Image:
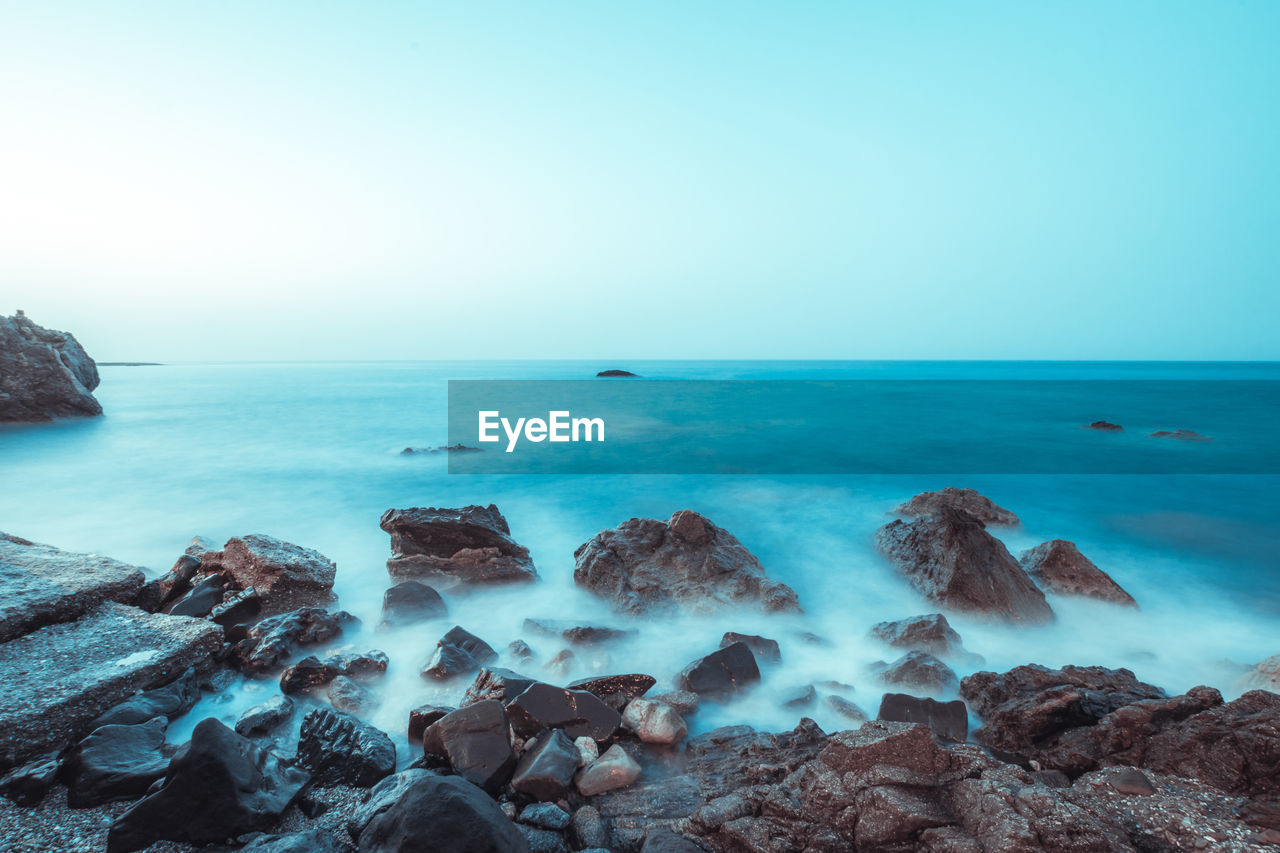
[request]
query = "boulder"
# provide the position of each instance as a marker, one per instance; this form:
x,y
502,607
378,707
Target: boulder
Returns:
x,y
614,373
614,769
615,690
474,741
1058,566
576,712
338,749
762,647
218,786
654,721
200,600
686,563
920,671
444,814
948,720
545,771
458,652
1264,675
930,633
409,602
265,716
285,576
966,500
722,673
44,374
306,841
1105,426
346,694
41,585
951,559
546,816
496,683
273,641
87,667
582,635
471,545
423,716
116,762
170,701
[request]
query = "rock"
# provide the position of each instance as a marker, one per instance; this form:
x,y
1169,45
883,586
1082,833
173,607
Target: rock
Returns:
x,y
1129,780
412,601
445,448
202,548
967,500
654,722
947,720
422,717
614,769
562,663
583,635
458,652
1180,435
763,648
238,608
722,673
307,841
273,640
951,559
920,671
496,683
577,712
471,545
41,585
44,374
170,701
588,750
265,716
218,786
546,816
475,742
346,694
1104,426
588,829
445,814
846,709
542,840
800,697
1265,675
87,667
546,769
27,785
285,575
1058,566
201,599
166,589
930,633
338,749
520,650
685,564
615,374
615,690
662,840
117,762
685,702
307,674
362,666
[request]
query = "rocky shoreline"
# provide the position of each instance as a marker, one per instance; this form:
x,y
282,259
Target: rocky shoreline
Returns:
x,y
98,662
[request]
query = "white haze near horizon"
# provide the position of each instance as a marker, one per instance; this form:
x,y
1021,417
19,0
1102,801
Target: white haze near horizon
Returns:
x,y
242,181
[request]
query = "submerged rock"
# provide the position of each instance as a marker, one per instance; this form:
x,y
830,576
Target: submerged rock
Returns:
x,y
1105,426
265,716
338,749
346,694
763,648
1180,435
412,601
930,633
614,373
686,563
1058,566
722,673
951,559
471,545
44,374
418,810
583,635
920,671
458,652
273,640
967,500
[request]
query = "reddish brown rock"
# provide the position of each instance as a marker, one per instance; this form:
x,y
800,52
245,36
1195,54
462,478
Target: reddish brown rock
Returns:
x,y
446,547
930,633
285,576
1058,566
980,507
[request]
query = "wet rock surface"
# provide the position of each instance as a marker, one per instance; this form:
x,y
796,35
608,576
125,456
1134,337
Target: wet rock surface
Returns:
x,y
448,813
686,563
722,673
948,720
1058,566
930,633
445,547
44,373
763,648
922,672
169,701
474,741
265,716
116,762
412,601
339,749
616,690
272,641
458,652
545,771
576,712
285,576
497,683
967,500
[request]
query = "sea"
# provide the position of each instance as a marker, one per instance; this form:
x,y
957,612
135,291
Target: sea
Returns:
x,y
311,453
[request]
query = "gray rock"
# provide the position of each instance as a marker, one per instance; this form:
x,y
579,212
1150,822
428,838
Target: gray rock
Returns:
x,y
614,769
338,749
307,841
542,840
663,840
117,762
170,701
546,816
545,771
346,694
44,374
846,709
445,814
471,545
589,829
654,721
27,785
920,671
264,717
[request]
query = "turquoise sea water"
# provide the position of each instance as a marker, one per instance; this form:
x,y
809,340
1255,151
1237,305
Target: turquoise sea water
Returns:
x,y
311,453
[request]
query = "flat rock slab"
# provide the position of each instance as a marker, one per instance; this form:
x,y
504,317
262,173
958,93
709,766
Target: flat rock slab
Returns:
x,y
41,585
59,679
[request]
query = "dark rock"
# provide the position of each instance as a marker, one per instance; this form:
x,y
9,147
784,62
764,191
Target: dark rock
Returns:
x,y
615,690
41,585
686,563
1058,566
545,771
422,717
238,608
577,712
546,816
475,742
762,647
585,635
116,762
947,720
846,709
930,633
542,840
273,640
44,374
444,814
177,580
588,829
471,545
218,786
338,749
170,701
967,500
920,671
444,448
346,694
202,598
307,674
722,673
801,697
264,717
285,575
363,666
662,840
27,785
496,683
458,652
951,559
520,650
1180,435
307,841
1104,426
412,601
613,373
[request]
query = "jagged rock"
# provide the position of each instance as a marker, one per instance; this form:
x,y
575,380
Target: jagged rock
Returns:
x,y
458,652
722,673
520,650
615,690
44,373
800,697
947,720
27,785
613,769
930,633
217,787
87,667
346,694
577,712
201,599
422,717
545,771
417,810
285,575
41,585
686,563
170,701
967,500
562,663
920,671
265,716
475,742
412,601
763,648
846,709
238,608
307,674
165,589
117,762
951,559
307,841
362,666
471,545
496,683
1058,566
338,749
1265,675
654,721
583,635
273,640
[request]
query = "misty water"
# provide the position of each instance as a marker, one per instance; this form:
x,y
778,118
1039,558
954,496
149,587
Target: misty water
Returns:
x,y
310,453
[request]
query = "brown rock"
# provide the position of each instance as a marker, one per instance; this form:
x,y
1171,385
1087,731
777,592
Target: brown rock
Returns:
x,y
1058,566
445,547
980,507
920,671
286,576
44,374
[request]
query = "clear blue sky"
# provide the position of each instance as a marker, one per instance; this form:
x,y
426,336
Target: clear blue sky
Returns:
x,y
245,180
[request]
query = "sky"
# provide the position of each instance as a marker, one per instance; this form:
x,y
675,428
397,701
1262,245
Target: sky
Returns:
x,y
845,180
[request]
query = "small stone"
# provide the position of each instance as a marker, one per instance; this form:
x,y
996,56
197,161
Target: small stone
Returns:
x,y
800,697
763,648
846,709
546,816
654,721
264,717
1131,780
588,750
346,694
615,769
562,664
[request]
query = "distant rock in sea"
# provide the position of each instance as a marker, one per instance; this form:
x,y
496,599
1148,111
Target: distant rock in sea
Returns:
x,y
613,374
1105,426
44,374
1180,435
447,448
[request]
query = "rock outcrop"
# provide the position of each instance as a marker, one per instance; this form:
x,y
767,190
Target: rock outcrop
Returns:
x,y
686,563
979,506
1058,566
951,559
285,576
44,374
447,547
